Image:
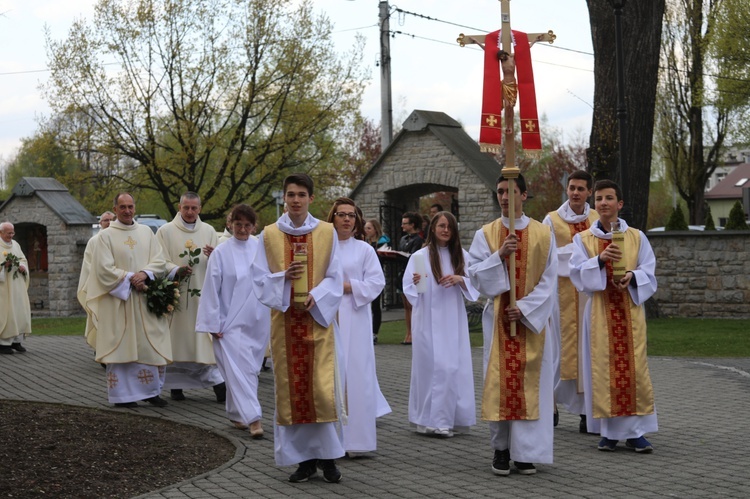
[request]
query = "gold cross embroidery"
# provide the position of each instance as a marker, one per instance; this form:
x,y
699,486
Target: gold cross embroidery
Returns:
x,y
130,242
530,126
491,120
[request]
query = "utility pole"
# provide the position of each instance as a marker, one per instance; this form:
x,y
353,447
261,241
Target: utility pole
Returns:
x,y
386,100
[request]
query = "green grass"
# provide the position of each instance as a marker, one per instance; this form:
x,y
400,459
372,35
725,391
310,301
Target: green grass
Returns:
x,y
666,337
63,326
699,337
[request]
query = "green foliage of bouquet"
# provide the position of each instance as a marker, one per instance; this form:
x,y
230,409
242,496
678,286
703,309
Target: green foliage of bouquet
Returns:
x,y
163,296
12,262
192,253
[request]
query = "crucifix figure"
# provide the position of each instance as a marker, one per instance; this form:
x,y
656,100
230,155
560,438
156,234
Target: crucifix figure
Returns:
x,y
501,90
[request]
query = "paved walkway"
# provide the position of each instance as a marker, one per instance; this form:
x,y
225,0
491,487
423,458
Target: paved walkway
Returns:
x,y
703,405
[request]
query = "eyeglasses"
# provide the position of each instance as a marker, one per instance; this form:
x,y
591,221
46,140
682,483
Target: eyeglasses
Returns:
x,y
342,214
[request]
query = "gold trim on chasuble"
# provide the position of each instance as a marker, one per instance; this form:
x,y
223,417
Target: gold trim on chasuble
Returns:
x,y
619,368
305,388
569,300
511,387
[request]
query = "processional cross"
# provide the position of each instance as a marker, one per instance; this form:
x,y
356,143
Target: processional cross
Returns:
x,y
501,90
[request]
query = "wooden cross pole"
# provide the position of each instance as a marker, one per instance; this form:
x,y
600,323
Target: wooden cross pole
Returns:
x,y
510,171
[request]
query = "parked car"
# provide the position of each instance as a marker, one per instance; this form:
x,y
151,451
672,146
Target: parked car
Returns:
x,y
153,221
690,227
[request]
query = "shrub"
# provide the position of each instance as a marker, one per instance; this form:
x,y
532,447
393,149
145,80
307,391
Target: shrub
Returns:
x,y
709,222
676,220
736,219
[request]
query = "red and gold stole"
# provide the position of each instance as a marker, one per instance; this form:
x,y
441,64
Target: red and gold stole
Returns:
x,y
491,126
511,386
303,350
568,298
619,368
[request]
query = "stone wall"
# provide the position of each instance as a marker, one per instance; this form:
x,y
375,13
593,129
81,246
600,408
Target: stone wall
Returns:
x,y
64,256
425,165
702,274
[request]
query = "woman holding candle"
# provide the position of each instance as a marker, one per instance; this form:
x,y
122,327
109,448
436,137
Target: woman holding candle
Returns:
x,y
441,396
363,282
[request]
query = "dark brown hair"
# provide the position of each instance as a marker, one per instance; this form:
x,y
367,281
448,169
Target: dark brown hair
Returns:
x,y
454,246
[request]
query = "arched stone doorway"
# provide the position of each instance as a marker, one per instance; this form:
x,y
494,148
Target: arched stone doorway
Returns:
x,y
32,237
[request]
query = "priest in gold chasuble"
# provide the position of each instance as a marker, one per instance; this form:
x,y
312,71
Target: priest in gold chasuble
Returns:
x,y
518,388
617,384
303,336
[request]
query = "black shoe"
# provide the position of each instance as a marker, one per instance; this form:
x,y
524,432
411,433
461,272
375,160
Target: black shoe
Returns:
x,y
501,462
582,427
525,468
221,392
555,418
176,394
6,349
126,405
305,470
157,401
331,473
375,339
18,347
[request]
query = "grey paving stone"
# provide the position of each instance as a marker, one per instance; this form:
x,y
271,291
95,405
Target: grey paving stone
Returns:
x,y
703,407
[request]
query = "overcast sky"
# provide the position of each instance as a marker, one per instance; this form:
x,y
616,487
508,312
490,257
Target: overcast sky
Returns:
x,y
430,70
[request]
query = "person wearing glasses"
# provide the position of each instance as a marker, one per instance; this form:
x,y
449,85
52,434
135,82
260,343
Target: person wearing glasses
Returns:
x,y
411,224
239,323
363,282
303,332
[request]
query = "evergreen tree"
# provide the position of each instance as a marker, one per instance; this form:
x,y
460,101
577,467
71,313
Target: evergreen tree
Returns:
x,y
677,220
736,219
709,222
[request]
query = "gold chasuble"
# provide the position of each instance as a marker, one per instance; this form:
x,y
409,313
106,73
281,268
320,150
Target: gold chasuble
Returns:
x,y
569,299
303,350
619,369
511,385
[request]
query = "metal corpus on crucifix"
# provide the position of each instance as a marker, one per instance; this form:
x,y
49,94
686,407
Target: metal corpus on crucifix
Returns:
x,y
500,92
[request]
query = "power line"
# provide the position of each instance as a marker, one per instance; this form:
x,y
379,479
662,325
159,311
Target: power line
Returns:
x,y
477,48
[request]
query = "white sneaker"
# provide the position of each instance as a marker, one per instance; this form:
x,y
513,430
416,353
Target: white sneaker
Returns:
x,y
444,432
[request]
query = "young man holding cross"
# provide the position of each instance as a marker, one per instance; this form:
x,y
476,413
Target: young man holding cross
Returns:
x,y
617,384
308,397
518,383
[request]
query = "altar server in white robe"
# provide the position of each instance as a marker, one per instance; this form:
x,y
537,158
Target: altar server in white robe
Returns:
x,y
304,334
441,392
518,399
363,282
238,322
133,342
615,349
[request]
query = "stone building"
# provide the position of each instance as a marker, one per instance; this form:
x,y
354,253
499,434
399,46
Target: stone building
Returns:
x,y
432,153
52,229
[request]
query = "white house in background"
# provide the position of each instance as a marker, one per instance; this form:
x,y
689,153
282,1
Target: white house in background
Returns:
x,y
735,186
